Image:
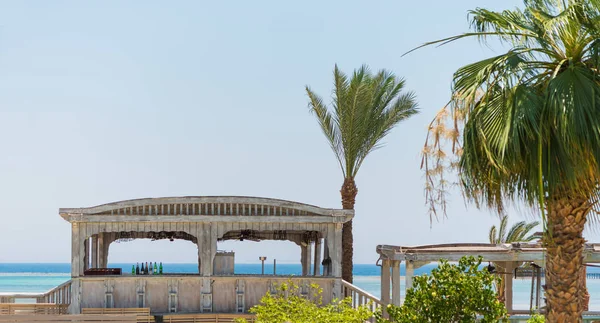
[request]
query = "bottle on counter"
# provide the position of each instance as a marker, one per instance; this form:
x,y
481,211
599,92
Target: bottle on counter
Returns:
x,y
137,268
147,269
160,269
151,269
155,269
132,269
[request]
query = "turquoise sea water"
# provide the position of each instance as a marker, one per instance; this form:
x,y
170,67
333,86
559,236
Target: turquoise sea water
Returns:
x,y
33,278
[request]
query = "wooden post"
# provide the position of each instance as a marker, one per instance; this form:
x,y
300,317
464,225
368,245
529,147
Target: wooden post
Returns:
x,y
208,246
100,239
108,239
327,266
317,265
508,286
538,287
334,243
86,253
303,253
94,251
75,249
410,272
308,261
385,282
396,282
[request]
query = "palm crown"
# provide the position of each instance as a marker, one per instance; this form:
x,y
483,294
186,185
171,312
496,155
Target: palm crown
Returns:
x,y
530,116
364,110
519,232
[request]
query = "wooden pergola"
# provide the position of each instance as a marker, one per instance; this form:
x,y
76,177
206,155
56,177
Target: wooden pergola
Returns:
x,y
203,220
508,256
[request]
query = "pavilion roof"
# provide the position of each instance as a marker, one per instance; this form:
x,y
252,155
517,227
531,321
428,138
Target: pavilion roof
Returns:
x,y
490,252
199,208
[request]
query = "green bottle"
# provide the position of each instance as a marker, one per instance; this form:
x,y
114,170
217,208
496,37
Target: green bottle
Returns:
x,y
160,268
155,269
133,269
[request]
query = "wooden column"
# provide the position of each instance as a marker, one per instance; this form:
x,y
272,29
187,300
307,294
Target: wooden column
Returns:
x,y
508,285
303,252
86,253
410,272
326,267
396,282
108,239
308,260
100,239
94,251
385,282
75,249
538,288
317,265
207,241
334,243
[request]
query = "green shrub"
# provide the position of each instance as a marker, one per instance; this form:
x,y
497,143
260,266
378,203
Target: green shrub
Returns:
x,y
288,305
536,318
452,293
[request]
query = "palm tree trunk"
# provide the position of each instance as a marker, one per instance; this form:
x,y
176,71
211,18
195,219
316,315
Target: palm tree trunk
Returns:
x,y
348,191
564,248
583,292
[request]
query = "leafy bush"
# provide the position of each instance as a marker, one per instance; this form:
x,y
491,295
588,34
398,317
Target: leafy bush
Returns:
x,y
452,293
288,305
536,318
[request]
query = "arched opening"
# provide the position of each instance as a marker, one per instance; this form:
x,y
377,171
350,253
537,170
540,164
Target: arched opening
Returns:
x,y
176,251
282,252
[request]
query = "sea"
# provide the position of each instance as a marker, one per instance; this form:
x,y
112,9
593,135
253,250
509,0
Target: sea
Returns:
x,y
38,277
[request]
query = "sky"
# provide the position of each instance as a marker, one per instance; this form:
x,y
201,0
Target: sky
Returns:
x,y
103,101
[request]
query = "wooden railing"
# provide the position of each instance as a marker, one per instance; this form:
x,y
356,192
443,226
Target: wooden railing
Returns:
x,y
58,295
37,308
360,297
67,318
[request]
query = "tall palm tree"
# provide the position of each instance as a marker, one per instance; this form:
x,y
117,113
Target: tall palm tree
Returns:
x,y
529,124
364,110
519,232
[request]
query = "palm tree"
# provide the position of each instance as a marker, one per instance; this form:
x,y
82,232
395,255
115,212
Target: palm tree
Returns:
x,y
519,232
364,110
526,127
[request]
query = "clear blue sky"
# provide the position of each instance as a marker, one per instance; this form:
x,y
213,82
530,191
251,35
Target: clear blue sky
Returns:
x,y
103,101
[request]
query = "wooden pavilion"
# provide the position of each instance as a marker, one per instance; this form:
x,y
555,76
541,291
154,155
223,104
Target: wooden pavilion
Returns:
x,y
203,221
508,256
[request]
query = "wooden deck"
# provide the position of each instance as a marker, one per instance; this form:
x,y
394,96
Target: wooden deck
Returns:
x,y
67,318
